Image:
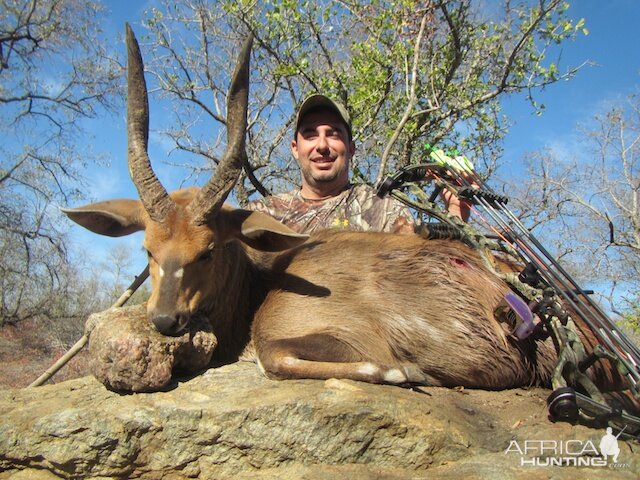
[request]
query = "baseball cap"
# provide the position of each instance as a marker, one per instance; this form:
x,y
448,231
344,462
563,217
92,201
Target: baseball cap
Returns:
x,y
322,101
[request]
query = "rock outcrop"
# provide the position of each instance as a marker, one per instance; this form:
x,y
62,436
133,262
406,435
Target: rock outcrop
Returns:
x,y
129,355
231,422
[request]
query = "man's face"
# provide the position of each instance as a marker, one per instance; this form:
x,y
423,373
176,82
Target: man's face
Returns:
x,y
323,149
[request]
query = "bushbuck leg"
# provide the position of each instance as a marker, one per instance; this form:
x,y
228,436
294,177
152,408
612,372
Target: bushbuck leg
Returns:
x,y
322,356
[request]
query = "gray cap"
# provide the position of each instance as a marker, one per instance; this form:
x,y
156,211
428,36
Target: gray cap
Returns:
x,y
322,101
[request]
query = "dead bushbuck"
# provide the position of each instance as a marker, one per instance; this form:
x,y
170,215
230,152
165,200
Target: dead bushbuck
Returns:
x,y
375,307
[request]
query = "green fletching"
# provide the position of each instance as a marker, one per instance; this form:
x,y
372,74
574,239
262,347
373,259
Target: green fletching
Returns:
x,y
463,163
440,158
460,163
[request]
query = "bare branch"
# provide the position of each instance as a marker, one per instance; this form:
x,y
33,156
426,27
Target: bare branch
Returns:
x,y
410,102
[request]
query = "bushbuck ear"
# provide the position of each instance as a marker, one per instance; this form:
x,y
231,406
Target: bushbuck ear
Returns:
x,y
113,218
260,231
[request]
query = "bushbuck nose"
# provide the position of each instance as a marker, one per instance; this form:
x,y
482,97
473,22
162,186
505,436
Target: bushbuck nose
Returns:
x,y
165,324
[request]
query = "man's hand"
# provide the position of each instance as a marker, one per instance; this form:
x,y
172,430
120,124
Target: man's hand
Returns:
x,y
455,205
464,168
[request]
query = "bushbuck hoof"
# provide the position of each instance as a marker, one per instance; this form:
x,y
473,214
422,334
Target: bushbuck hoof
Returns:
x,y
415,376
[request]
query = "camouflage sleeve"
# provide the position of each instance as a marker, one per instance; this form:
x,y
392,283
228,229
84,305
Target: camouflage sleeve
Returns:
x,y
292,212
398,218
258,205
381,214
266,205
401,220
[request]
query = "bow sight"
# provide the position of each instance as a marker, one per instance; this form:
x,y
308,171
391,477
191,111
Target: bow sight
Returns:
x,y
546,296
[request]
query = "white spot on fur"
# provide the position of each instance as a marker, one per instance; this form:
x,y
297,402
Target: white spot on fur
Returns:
x,y
394,375
416,325
161,272
433,333
179,273
368,369
290,361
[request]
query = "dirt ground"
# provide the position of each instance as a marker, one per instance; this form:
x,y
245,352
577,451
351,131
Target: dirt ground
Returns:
x,y
27,351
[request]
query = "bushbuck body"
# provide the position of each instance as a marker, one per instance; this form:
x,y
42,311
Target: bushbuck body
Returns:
x,y
376,307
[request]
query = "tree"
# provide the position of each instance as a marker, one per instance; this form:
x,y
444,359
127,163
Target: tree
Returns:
x,y
588,205
409,71
54,72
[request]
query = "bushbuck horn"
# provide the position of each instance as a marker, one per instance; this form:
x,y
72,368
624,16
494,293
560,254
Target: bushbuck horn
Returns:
x,y
153,195
209,200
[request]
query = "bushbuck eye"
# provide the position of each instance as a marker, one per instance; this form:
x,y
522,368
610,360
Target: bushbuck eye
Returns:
x,y
205,256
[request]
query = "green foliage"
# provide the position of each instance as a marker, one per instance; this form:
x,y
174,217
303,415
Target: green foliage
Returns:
x,y
362,53
631,319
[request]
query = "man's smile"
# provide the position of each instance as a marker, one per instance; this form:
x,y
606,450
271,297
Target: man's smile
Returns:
x,y
323,161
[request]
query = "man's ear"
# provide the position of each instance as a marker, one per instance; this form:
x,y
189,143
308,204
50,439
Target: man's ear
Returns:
x,y
259,230
352,148
294,148
113,218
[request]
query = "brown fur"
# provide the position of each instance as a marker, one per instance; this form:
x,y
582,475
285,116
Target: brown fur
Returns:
x,y
397,301
371,306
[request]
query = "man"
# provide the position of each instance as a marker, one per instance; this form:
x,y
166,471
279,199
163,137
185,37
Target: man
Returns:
x,y
323,147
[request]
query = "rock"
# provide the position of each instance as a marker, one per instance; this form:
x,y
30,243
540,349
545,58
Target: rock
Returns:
x,y
129,355
231,422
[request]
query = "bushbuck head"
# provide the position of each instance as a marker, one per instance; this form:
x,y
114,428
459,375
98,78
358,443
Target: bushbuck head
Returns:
x,y
185,231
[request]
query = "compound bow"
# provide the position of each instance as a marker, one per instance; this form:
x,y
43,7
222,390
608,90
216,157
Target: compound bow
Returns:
x,y
546,292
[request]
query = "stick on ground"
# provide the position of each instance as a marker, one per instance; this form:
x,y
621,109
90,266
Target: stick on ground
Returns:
x,y
62,361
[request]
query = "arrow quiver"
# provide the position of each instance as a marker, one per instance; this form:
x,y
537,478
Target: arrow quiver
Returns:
x,y
546,299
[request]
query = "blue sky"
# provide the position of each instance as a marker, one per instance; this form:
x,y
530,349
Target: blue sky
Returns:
x,y
612,47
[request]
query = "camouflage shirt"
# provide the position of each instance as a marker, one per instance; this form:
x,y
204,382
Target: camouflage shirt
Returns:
x,y
356,208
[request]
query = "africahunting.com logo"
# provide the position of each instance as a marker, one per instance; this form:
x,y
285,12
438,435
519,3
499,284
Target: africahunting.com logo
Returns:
x,y
578,453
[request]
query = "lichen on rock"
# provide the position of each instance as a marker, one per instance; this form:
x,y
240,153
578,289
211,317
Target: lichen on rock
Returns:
x,y
128,355
232,422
